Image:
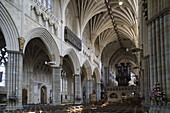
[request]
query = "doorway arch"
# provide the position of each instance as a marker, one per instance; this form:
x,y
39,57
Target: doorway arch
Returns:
x,y
24,96
43,94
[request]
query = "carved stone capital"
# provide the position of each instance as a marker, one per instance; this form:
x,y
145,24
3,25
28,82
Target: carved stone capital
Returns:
x,y
21,43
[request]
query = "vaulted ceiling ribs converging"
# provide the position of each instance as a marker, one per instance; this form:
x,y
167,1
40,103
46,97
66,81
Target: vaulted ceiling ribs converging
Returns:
x,y
124,22
113,21
105,26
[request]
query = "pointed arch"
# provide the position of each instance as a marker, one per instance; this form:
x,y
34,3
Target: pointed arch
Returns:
x,y
88,69
97,74
9,29
47,39
75,59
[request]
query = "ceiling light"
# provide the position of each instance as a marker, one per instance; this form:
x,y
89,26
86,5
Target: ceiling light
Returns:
x,y
120,2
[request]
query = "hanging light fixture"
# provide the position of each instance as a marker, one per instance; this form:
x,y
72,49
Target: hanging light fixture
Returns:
x,y
120,2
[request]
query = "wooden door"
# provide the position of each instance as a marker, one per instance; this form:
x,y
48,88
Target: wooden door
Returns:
x,y
24,96
43,94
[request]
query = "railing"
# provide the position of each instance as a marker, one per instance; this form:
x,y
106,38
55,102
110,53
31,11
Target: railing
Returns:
x,y
123,88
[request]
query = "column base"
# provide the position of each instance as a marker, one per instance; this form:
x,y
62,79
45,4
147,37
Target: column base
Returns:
x,y
146,107
159,109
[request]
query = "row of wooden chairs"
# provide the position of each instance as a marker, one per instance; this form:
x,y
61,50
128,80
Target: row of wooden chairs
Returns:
x,y
39,108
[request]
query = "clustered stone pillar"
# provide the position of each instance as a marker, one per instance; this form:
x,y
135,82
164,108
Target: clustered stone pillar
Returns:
x,y
106,70
77,88
167,52
146,80
88,91
14,79
35,93
151,54
98,92
91,86
159,56
56,85
142,85
31,87
162,41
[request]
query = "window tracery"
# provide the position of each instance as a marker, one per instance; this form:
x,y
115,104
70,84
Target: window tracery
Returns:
x,y
3,63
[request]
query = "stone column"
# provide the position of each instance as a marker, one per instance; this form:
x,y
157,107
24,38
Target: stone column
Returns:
x,y
31,91
77,88
167,52
106,74
154,51
14,79
158,51
88,91
142,84
91,86
145,79
162,42
151,54
36,93
98,92
148,77
56,85
150,31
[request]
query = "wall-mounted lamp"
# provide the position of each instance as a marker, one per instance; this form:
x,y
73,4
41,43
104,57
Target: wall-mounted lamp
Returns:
x,y
50,63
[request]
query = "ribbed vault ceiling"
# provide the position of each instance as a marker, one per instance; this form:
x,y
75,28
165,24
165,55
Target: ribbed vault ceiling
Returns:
x,y
111,27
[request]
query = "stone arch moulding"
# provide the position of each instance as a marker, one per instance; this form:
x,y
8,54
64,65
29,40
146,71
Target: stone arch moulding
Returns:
x,y
48,40
88,68
65,3
75,59
9,29
97,73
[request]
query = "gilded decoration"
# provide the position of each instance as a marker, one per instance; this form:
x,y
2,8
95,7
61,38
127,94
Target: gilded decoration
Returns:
x,y
21,43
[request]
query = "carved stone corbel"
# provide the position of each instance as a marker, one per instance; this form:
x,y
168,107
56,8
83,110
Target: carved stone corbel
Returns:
x,y
21,43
